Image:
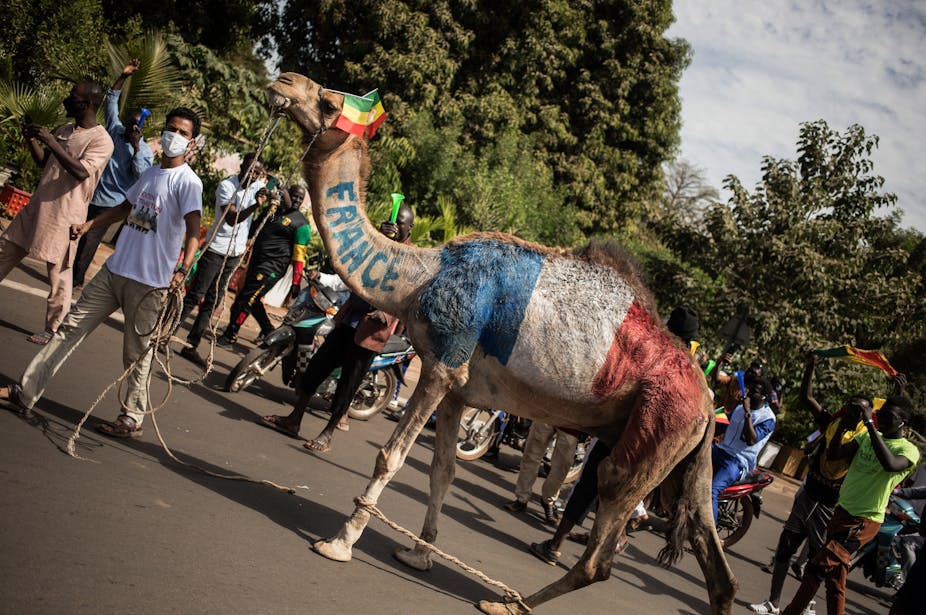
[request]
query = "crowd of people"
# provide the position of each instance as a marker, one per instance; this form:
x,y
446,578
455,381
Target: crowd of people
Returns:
x,y
95,176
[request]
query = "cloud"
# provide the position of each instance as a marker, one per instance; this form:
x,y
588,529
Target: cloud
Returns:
x,y
760,69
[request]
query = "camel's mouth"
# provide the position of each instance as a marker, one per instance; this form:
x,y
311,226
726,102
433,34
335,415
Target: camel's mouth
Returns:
x,y
277,100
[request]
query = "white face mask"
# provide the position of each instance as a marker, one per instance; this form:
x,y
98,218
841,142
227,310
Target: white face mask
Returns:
x,y
173,144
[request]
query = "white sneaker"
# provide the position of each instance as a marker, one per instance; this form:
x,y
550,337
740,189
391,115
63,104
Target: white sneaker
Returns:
x,y
764,608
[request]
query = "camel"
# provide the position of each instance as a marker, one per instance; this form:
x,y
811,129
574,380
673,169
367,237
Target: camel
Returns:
x,y
569,338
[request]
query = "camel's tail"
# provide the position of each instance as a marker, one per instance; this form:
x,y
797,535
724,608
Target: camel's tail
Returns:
x,y
681,489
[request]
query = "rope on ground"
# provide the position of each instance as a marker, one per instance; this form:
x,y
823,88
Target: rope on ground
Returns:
x,y
512,594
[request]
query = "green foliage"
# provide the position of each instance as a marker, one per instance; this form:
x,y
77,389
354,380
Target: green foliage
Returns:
x,y
41,38
225,26
231,101
42,105
586,91
807,256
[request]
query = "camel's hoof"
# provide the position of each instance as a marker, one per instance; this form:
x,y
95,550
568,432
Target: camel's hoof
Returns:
x,y
332,549
414,559
501,608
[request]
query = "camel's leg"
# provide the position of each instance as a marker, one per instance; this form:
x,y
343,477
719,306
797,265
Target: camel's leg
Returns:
x,y
636,465
443,466
433,385
708,549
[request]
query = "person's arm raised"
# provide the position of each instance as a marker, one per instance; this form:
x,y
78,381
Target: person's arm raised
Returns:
x,y
888,460
806,398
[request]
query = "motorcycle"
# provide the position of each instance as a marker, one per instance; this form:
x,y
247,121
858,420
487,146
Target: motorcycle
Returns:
x,y
880,558
480,430
738,504
292,344
381,382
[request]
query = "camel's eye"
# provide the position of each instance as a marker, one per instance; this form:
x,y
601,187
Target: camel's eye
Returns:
x,y
328,107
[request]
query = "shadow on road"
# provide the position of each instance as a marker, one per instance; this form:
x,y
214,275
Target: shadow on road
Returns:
x,y
643,561
289,511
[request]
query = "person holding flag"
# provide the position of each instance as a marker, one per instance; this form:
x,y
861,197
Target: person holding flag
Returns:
x,y
815,501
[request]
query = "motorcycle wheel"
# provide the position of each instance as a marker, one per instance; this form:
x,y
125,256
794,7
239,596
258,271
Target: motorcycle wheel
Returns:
x,y
374,394
733,519
252,367
471,442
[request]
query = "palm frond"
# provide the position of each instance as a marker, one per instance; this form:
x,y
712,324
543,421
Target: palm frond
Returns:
x,y
157,85
20,102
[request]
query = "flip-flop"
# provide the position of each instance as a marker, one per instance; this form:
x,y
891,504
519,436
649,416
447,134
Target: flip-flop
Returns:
x,y
41,338
11,403
343,426
317,447
270,422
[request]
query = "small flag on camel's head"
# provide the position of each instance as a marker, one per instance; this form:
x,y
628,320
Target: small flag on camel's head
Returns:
x,y
872,358
377,112
355,114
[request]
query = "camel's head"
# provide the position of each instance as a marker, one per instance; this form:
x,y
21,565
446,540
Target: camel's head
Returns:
x,y
307,103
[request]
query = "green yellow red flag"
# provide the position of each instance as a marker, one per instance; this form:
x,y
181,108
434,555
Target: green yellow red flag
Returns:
x,y
355,114
377,112
871,358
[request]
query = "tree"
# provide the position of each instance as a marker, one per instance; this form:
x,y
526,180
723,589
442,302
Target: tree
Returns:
x,y
815,266
591,85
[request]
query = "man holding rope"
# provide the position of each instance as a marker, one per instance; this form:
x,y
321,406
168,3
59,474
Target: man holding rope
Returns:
x,y
236,198
162,212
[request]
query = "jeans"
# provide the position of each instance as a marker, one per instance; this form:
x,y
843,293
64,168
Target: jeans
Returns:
x,y
205,293
727,470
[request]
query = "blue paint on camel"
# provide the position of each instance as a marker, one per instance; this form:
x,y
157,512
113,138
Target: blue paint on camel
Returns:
x,y
479,296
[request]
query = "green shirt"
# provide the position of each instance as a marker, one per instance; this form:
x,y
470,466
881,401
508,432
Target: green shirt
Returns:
x,y
868,485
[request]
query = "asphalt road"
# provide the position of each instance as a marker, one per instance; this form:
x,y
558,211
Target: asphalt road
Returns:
x,y
129,530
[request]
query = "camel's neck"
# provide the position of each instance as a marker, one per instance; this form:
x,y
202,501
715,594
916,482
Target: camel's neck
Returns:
x,y
381,271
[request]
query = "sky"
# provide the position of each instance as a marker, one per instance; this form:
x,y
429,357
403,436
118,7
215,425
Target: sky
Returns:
x,y
760,68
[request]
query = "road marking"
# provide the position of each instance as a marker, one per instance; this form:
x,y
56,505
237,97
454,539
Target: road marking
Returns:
x,y
38,292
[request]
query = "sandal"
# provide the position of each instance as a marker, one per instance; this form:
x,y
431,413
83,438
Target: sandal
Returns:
x,y
343,424
123,427
277,423
318,447
9,399
543,552
41,338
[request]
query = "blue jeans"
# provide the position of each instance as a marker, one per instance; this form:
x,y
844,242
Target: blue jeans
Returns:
x,y
727,470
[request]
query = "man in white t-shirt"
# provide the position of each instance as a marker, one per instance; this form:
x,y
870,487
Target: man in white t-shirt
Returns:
x,y
238,197
162,213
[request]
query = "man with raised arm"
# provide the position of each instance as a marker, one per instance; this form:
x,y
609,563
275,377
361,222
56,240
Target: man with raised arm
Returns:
x,y
879,461
162,212
131,157
815,500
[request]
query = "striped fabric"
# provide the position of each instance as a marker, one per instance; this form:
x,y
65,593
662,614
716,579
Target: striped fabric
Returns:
x,y
872,358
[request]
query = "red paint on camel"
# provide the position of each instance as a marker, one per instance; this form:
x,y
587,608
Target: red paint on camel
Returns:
x,y
642,352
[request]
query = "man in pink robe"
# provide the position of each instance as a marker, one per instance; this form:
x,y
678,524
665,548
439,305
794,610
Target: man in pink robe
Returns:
x,y
73,159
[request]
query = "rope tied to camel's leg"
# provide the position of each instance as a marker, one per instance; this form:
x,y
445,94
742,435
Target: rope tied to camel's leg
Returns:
x,y
511,594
